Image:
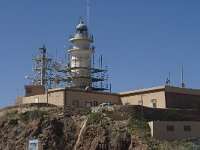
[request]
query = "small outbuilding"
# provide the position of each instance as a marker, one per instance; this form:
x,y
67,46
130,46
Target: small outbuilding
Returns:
x,y
174,130
163,97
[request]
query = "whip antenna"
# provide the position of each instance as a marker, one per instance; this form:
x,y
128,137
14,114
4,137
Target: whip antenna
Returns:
x,y
88,12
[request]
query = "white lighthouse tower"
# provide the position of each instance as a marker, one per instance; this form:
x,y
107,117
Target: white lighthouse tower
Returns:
x,y
80,71
81,53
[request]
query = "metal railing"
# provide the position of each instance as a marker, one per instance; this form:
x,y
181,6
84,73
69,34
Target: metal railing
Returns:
x,y
82,47
82,36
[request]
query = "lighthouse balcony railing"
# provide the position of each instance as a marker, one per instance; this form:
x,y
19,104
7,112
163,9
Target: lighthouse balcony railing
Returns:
x,y
81,36
82,47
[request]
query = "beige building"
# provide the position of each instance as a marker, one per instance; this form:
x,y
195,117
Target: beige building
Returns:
x,y
71,97
155,97
163,97
174,130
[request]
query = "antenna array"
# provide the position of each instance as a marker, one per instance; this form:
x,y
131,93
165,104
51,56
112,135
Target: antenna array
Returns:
x,y
42,69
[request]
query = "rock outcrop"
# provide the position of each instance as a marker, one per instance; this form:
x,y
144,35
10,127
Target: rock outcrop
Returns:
x,y
56,128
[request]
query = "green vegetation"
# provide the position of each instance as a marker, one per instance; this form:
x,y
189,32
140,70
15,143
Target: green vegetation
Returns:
x,y
11,114
103,110
32,115
26,116
94,118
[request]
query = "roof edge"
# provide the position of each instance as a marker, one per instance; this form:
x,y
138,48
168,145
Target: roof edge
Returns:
x,y
144,90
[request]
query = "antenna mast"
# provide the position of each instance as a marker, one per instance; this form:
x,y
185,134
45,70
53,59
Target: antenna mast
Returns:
x,y
182,82
42,68
88,12
168,79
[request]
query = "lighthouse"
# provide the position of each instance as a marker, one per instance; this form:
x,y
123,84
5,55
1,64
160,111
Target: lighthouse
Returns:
x,y
80,70
80,54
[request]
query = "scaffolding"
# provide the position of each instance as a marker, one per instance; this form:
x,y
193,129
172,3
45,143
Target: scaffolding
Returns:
x,y
43,70
99,76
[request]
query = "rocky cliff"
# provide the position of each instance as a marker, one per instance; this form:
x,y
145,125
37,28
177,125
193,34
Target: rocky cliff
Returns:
x,y
56,128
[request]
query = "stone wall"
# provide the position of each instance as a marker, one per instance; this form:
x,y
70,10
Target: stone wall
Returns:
x,y
53,109
149,114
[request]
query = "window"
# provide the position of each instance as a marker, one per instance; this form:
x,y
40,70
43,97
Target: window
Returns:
x,y
187,128
76,103
170,128
95,103
153,103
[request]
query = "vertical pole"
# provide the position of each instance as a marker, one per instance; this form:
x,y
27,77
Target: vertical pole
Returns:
x,y
43,64
142,115
93,60
182,77
168,79
101,61
88,13
101,71
93,68
68,60
17,93
50,75
182,82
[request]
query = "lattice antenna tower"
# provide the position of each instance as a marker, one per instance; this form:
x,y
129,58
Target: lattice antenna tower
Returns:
x,y
43,70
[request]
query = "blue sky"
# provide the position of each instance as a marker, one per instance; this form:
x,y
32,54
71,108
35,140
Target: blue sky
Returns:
x,y
141,40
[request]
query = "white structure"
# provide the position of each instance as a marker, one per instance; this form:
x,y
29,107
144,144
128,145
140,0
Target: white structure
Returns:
x,y
81,57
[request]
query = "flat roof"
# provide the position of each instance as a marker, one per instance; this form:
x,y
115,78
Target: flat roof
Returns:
x,y
145,90
80,90
164,88
55,89
182,90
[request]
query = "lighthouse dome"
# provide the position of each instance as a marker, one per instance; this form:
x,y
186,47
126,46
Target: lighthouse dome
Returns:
x,y
81,26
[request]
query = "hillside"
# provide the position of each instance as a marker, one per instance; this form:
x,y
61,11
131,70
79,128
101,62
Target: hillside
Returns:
x,y
113,128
